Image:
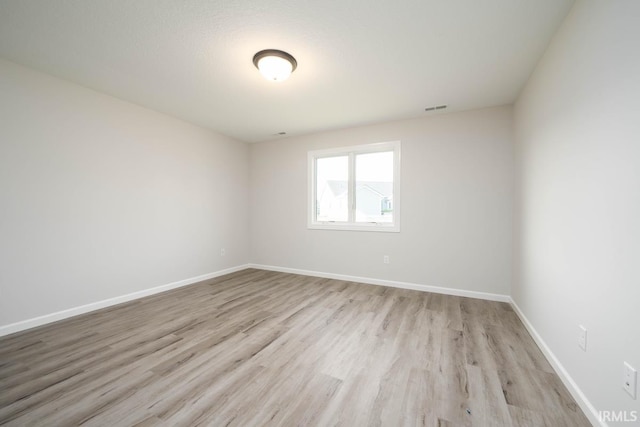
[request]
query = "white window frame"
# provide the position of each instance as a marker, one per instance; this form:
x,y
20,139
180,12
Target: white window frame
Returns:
x,y
351,224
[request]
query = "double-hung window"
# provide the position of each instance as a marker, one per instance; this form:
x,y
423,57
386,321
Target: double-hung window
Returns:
x,y
355,188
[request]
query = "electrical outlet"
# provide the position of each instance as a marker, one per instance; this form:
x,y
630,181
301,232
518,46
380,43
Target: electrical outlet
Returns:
x,y
582,337
385,259
629,380
223,252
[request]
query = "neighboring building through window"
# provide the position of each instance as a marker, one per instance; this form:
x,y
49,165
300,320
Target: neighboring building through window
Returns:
x,y
355,188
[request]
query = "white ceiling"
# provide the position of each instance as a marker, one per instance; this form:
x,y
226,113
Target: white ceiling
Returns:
x,y
359,61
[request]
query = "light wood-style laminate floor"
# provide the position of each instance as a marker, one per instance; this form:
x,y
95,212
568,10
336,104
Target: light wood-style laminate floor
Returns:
x,y
259,348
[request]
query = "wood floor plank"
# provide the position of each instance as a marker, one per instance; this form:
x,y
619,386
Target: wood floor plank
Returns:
x,y
275,349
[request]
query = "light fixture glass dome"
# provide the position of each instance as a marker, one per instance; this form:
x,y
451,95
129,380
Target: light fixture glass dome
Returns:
x,y
274,65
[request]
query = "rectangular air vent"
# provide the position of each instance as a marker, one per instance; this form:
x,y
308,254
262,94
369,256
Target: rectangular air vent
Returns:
x,y
437,107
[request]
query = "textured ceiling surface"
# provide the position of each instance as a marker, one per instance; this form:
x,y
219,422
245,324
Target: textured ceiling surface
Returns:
x,y
359,61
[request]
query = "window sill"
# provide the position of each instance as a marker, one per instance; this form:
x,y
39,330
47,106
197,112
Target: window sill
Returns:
x,y
385,228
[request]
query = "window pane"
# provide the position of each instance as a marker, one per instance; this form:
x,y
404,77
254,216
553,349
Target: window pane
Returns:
x,y
374,187
332,189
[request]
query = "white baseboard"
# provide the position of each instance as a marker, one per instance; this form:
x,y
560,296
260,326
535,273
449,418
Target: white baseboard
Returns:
x,y
64,314
53,317
573,388
571,385
390,283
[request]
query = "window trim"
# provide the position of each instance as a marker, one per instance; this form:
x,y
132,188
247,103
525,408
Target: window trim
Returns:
x,y
351,152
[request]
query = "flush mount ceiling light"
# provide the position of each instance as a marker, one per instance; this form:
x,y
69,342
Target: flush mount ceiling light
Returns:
x,y
275,65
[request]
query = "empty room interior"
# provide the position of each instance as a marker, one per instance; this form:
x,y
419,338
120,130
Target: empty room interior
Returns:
x,y
291,213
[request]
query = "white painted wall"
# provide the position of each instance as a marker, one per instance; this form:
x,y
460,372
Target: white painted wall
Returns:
x,y
456,204
577,127
100,198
